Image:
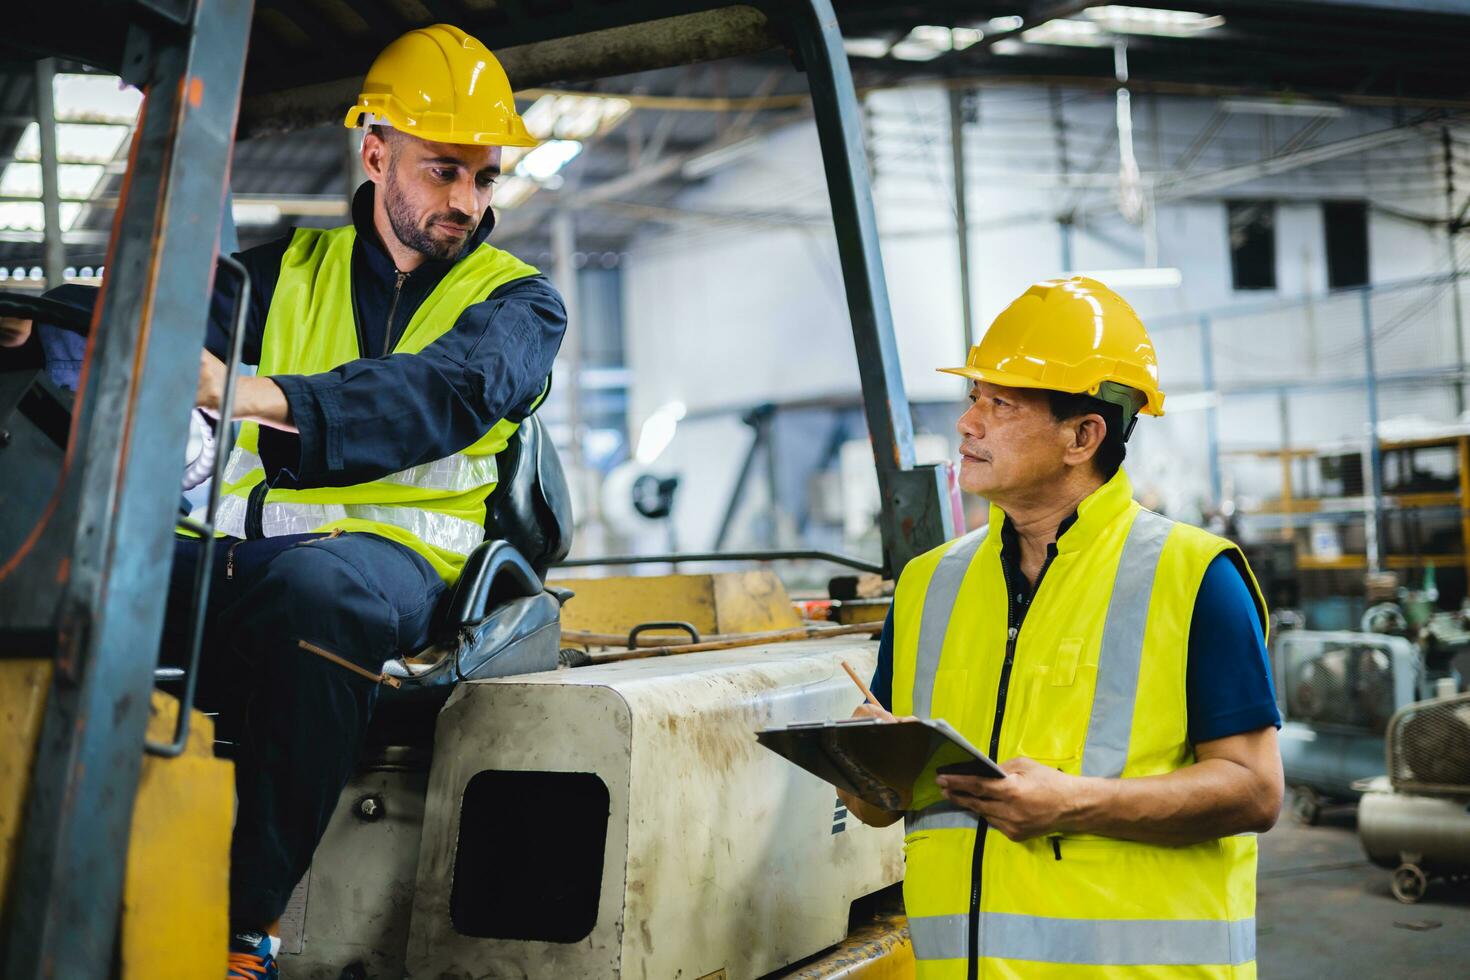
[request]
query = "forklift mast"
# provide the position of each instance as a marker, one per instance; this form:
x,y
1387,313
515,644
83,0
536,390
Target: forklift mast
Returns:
x,y
84,573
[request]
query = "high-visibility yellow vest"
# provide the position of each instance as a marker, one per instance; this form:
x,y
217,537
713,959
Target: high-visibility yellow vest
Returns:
x,y
436,508
1096,688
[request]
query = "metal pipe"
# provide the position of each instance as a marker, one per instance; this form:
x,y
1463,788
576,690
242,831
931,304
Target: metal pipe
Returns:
x,y
1452,229
1373,530
55,250
704,556
563,248
961,214
1212,412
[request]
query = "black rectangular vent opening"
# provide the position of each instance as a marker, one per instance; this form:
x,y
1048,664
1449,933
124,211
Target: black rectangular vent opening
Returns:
x,y
529,861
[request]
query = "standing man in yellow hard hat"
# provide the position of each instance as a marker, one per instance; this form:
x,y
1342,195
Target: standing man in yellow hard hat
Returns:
x,y
396,357
1114,659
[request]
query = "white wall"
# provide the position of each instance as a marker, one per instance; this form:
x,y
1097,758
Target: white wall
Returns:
x,y
733,315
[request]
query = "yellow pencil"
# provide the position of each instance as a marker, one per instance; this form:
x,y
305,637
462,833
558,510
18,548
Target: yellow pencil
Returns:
x,y
861,686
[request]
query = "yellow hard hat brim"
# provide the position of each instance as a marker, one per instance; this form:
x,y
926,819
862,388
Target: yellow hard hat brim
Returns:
x,y
409,126
1154,406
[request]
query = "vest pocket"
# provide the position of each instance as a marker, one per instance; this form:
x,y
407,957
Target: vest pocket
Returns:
x,y
1056,707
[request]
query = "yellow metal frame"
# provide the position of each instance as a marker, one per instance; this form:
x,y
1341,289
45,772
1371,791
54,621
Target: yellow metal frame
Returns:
x,y
1289,503
718,604
175,919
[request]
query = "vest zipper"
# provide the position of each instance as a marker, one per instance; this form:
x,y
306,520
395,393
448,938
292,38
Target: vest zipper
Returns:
x,y
254,511
1013,630
392,308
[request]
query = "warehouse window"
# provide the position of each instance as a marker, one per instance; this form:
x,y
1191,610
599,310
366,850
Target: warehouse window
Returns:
x,y
1252,244
1346,226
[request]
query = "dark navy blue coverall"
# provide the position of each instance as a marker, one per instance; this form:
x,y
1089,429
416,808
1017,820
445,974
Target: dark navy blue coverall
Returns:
x,y
297,719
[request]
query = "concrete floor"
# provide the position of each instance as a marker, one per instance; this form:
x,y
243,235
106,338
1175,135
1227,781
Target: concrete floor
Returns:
x,y
1324,911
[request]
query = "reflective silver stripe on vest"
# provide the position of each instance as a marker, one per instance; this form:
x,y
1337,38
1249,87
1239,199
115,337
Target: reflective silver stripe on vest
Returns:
x,y
241,462
940,816
940,937
280,519
459,472
1121,658
456,473
1089,942
939,600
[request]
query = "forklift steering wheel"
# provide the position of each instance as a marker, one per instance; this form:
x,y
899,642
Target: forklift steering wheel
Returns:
x,y
61,314
199,453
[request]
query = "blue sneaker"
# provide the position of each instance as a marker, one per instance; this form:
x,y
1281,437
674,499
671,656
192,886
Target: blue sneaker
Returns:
x,y
252,957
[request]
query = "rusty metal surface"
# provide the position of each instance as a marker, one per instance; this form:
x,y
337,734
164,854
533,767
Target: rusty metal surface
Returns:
x,y
130,420
878,950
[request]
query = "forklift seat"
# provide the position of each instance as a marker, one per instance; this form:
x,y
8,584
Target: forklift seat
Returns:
x,y
499,619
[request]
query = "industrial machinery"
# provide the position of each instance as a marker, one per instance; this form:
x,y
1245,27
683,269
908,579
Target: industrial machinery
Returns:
x,y
1339,690
616,819
1416,820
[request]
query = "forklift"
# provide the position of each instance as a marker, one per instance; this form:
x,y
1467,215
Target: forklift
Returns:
x,y
522,809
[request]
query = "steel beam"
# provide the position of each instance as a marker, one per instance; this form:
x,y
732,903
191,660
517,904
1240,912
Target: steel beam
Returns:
x,y
961,211
130,421
1374,530
563,248
915,513
55,251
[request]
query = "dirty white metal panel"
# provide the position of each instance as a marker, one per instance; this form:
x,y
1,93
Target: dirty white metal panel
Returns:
x,y
352,908
719,854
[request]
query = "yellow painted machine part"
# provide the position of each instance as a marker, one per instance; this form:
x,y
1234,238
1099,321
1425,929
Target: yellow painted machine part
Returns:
x,y
725,602
879,950
175,921
23,687
176,891
850,612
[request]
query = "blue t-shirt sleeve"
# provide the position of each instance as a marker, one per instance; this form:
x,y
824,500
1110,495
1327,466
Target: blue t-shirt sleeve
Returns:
x,y
1228,685
882,685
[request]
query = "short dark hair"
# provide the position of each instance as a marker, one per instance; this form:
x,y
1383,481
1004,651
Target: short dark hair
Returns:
x,y
1066,405
384,133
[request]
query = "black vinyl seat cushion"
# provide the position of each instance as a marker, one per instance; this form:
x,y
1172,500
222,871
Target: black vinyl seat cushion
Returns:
x,y
499,619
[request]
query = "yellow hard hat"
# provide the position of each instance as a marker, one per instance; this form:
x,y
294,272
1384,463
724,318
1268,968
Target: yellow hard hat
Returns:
x,y
440,84
1074,335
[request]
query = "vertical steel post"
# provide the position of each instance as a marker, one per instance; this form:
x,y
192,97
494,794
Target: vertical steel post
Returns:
x,y
130,421
1451,231
961,212
563,248
1374,529
916,515
1212,411
55,250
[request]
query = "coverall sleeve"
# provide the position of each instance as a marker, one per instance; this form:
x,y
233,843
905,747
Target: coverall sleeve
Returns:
x,y
375,416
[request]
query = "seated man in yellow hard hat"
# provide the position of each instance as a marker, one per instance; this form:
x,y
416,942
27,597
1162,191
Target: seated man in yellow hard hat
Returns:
x,y
396,356
1113,659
